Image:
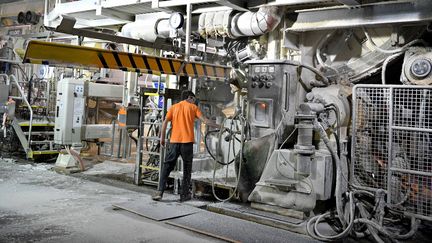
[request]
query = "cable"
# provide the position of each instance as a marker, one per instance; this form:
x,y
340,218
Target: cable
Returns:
x,y
209,151
372,220
324,79
243,122
289,136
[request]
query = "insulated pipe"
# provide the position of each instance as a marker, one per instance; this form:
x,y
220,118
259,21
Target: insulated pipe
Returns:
x,y
235,25
149,29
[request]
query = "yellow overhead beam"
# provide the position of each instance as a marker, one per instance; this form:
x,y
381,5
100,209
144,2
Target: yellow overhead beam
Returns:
x,y
56,54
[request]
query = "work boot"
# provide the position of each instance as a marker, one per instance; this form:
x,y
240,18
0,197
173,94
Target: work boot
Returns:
x,y
157,196
186,197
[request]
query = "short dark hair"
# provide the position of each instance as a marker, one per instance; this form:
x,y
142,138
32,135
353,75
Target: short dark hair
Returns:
x,y
186,93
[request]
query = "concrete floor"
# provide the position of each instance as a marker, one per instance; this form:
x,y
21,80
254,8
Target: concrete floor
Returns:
x,y
39,205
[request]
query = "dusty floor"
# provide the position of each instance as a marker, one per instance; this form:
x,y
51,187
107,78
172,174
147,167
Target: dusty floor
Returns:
x,y
39,205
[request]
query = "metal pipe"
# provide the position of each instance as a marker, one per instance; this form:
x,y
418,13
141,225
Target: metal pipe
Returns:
x,y
390,147
12,77
188,30
413,129
415,172
46,13
113,137
119,143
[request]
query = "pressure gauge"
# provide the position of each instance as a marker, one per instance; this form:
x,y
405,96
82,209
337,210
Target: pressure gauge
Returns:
x,y
176,20
421,68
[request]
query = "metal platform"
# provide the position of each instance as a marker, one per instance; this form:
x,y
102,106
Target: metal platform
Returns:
x,y
235,230
258,216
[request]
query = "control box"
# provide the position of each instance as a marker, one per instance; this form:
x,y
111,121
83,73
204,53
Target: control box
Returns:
x,y
272,94
70,111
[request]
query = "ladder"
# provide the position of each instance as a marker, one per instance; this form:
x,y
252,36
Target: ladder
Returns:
x,y
156,154
149,172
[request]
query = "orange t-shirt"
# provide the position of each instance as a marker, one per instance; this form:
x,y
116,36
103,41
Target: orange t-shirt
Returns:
x,y
182,116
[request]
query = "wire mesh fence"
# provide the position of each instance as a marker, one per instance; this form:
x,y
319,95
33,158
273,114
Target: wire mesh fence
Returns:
x,y
391,144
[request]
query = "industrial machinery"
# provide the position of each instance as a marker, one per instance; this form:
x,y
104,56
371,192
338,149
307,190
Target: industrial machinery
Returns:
x,y
71,127
324,106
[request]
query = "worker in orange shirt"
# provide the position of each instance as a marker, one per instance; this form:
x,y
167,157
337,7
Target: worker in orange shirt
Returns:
x,y
182,116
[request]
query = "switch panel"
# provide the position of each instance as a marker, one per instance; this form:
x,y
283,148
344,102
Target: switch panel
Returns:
x,y
272,90
70,110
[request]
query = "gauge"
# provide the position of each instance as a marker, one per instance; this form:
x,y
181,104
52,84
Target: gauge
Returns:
x,y
176,20
421,68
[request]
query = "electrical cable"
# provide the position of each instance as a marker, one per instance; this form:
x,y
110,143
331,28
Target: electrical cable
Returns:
x,y
243,121
324,79
372,220
289,136
339,207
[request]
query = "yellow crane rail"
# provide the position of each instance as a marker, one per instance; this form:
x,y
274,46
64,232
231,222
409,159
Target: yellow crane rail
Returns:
x,y
57,54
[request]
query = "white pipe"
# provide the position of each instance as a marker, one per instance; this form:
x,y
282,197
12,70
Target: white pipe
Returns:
x,y
188,30
46,13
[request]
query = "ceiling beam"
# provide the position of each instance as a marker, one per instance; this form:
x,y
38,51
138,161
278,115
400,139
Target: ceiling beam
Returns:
x,y
368,15
239,5
350,2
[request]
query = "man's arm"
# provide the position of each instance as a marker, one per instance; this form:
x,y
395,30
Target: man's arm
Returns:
x,y
208,122
163,131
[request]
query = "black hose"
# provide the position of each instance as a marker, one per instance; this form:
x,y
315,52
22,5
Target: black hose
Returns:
x,y
208,149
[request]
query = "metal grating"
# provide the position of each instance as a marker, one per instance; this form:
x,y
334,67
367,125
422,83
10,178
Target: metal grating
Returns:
x,y
394,122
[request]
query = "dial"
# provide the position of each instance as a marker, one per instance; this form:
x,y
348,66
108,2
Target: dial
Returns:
x,y
176,20
421,68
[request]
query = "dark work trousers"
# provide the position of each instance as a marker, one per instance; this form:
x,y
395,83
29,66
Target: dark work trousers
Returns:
x,y
174,150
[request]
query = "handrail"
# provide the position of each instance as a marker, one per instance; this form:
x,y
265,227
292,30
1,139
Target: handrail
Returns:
x,y
6,78
12,77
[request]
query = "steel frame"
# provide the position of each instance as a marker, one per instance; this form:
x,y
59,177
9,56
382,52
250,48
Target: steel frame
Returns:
x,y
365,15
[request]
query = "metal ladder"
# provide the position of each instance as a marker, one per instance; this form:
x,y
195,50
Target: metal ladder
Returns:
x,y
145,172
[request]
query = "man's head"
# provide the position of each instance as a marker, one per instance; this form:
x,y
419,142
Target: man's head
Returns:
x,y
188,96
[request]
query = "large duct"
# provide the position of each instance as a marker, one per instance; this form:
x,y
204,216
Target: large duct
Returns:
x,y
234,25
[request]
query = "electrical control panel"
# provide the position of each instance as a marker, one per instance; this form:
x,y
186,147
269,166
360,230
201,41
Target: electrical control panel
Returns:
x,y
70,107
272,92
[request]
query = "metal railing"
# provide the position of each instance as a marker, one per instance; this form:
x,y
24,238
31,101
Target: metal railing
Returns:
x,y
23,97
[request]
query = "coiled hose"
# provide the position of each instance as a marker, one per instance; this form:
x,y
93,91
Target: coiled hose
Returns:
x,y
355,204
239,154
